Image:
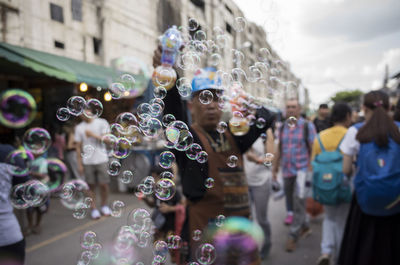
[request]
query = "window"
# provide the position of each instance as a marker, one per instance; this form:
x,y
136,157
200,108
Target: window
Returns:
x,y
228,28
76,9
198,3
56,13
229,10
96,46
59,44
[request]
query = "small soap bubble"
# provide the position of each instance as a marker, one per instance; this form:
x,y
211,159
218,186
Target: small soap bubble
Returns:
x,y
63,114
117,208
193,151
174,242
260,123
88,201
160,92
76,105
117,90
206,97
291,122
114,168
126,177
206,254
93,108
196,235
167,119
167,174
268,159
215,59
220,220
87,151
88,239
167,158
222,126
80,211
202,157
165,189
20,161
232,161
239,24
193,24
37,140
209,183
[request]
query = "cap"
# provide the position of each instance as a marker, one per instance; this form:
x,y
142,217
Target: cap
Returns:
x,y
206,79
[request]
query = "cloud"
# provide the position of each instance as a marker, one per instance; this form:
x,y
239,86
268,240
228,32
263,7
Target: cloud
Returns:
x,y
356,20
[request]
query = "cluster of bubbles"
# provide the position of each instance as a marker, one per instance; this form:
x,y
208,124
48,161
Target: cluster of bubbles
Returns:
x,y
77,105
91,248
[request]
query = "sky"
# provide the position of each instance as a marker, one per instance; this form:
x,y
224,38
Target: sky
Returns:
x,y
332,45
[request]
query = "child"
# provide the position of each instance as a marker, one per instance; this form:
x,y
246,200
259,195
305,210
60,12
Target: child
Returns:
x,y
165,212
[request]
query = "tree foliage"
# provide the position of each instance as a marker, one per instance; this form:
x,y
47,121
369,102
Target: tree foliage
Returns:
x,y
351,97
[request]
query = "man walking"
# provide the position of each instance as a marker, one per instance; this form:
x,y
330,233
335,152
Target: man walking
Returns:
x,y
293,155
321,122
93,160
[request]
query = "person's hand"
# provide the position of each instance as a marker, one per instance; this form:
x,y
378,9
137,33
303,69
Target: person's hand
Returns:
x,y
165,208
90,134
157,56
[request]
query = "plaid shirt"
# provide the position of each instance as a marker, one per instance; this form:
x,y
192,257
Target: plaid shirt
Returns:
x,y
294,152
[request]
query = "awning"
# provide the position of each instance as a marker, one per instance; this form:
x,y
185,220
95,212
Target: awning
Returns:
x,y
64,68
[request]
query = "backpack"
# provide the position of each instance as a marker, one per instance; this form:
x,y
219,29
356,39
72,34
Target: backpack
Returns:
x,y
377,181
328,178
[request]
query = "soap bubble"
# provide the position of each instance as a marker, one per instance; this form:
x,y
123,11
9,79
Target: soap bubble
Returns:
x,y
56,170
165,189
160,250
126,119
209,183
63,114
260,123
232,161
36,140
202,157
167,119
110,143
174,242
128,81
117,208
221,127
157,107
206,97
196,235
114,168
193,151
239,24
16,197
167,174
185,139
93,108
20,160
200,35
87,151
76,105
88,239
193,24
220,220
160,92
122,148
117,90
153,128
80,211
17,108
291,122
88,201
268,159
73,193
167,158
206,254
126,177
215,59
172,135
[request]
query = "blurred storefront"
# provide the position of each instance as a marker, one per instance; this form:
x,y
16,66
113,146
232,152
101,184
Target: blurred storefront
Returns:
x,y
52,79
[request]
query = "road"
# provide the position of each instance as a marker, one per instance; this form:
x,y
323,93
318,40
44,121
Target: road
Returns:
x,y
59,242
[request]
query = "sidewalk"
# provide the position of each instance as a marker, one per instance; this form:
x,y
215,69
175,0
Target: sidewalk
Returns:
x,y
59,242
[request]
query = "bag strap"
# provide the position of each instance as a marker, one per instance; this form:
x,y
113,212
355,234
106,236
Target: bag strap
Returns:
x,y
341,140
305,135
320,143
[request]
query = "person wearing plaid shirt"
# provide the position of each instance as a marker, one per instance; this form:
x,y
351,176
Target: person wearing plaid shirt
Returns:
x,y
293,156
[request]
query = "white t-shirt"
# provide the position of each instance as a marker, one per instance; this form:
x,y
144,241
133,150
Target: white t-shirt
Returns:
x,y
10,232
256,174
94,152
350,146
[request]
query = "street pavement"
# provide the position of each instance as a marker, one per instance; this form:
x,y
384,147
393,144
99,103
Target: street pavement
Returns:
x,y
59,241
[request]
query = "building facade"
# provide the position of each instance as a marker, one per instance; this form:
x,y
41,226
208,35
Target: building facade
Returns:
x,y
103,31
